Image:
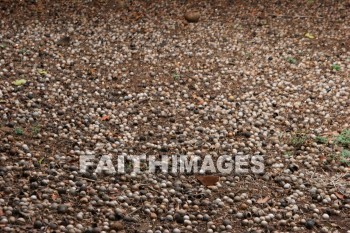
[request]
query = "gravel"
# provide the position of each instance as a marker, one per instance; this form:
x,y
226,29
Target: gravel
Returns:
x,y
142,77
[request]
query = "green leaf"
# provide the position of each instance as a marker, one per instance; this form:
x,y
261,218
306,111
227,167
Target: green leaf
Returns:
x,y
321,140
336,67
42,72
23,51
19,82
18,131
345,153
309,35
292,60
344,138
176,76
41,160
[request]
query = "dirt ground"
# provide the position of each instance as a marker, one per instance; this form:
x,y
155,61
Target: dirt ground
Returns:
x,y
269,78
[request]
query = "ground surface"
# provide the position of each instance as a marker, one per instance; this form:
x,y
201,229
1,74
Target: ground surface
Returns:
x,y
268,78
